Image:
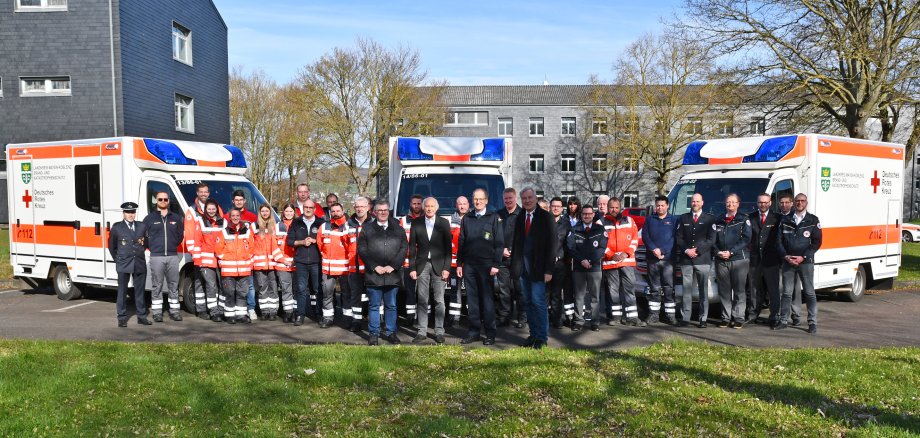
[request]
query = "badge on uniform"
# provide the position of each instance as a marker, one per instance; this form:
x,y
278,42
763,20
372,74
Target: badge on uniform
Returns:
x,y
487,236
313,230
595,244
628,236
124,242
748,222
327,240
605,234
714,227
807,234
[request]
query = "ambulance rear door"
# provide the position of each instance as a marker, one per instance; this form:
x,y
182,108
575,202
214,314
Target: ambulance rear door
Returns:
x,y
88,226
893,239
22,208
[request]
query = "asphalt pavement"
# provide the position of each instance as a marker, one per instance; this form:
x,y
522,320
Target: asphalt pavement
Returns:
x,y
882,318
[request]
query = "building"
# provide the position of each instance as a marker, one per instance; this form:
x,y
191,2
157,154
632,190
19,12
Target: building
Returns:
x,y
566,146
101,68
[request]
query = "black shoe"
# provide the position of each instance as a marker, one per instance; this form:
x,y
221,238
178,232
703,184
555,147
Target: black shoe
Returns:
x,y
682,323
556,325
245,320
519,324
157,318
812,328
668,321
392,338
538,345
702,324
635,322
372,340
325,323
612,322
231,320
175,316
736,325
144,321
595,328
469,340
723,324
779,326
488,341
796,322
503,323
215,317
203,315
355,327
439,339
448,324
122,323
419,338
529,342
576,328
652,319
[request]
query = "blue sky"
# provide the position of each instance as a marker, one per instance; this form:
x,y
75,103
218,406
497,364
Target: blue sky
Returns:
x,y
464,43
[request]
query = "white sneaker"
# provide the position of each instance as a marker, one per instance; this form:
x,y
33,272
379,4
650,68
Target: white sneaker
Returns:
x,y
252,315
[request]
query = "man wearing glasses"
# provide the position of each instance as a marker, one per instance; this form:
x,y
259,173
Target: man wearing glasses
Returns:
x,y
798,240
165,231
382,246
302,237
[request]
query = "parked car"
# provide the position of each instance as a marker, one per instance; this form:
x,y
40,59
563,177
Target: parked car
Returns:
x,y
638,214
910,232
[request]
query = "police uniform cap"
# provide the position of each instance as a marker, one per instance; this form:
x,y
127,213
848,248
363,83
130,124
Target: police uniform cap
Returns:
x,y
129,207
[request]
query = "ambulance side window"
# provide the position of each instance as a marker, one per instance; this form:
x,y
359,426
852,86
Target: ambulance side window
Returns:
x,y
154,187
781,187
88,192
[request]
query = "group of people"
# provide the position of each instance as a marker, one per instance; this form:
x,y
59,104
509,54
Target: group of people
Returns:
x,y
538,263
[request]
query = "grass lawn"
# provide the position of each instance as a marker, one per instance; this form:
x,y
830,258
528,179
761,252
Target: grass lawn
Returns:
x,y
677,388
910,262
6,269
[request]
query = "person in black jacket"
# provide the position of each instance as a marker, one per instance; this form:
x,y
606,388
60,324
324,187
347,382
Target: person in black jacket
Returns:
x,y
764,273
696,232
560,292
533,257
509,305
479,254
302,236
165,232
797,241
382,246
126,245
429,264
732,256
586,243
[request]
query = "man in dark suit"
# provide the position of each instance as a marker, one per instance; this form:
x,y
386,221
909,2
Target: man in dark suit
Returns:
x,y
533,257
696,233
126,245
479,254
764,261
429,261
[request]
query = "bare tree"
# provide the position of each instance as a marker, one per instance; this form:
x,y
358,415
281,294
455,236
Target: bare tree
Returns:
x,y
364,95
847,58
255,124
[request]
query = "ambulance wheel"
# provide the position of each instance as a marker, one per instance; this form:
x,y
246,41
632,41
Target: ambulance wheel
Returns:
x,y
906,237
64,287
186,292
859,286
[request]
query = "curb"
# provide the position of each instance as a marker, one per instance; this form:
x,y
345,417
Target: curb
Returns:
x,y
906,284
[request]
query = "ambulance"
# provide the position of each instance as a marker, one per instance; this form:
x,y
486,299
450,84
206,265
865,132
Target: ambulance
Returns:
x,y
65,196
446,168
855,187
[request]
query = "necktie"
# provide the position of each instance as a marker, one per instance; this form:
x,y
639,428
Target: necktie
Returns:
x,y
763,218
729,219
587,228
478,215
527,225
695,217
131,226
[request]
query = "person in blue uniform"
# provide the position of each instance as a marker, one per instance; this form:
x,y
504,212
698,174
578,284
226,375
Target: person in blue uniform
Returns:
x,y
126,245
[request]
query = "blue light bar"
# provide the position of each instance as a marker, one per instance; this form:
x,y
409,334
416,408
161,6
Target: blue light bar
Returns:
x,y
410,149
237,159
493,149
692,155
168,152
772,150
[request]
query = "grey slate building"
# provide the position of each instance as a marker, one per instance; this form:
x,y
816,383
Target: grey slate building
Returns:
x,y
72,69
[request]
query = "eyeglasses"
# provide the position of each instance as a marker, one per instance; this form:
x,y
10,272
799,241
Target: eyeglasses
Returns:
x,y
309,208
162,199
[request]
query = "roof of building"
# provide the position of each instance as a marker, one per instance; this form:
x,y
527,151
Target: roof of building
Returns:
x,y
490,95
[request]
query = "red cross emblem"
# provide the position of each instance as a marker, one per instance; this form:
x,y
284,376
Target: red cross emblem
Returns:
x,y
875,182
27,199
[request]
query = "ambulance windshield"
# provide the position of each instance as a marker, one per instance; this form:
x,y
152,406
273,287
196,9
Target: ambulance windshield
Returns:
x,y
222,192
446,188
714,192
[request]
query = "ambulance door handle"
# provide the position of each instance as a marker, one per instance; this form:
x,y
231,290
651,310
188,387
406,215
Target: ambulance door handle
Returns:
x,y
74,224
108,226
98,228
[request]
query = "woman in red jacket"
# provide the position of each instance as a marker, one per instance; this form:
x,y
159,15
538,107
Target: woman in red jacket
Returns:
x,y
208,232
284,262
264,252
234,250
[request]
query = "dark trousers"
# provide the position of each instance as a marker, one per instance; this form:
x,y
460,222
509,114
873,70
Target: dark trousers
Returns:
x,y
661,287
764,285
480,302
306,285
732,279
408,297
357,296
620,293
509,303
804,273
454,296
561,303
140,306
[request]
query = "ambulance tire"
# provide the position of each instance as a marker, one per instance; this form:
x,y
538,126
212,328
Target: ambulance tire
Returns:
x,y
65,289
186,293
858,288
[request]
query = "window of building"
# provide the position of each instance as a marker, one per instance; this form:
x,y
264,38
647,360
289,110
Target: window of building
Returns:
x,y
41,5
758,126
629,124
630,199
182,43
505,126
725,126
467,118
536,163
599,126
568,126
540,194
568,193
536,126
599,163
630,163
87,189
185,114
918,160
1,87
568,163
694,125
50,86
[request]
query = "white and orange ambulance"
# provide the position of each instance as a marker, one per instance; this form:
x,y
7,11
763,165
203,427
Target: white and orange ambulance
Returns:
x,y
65,196
855,187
